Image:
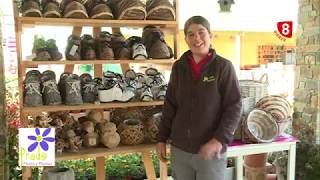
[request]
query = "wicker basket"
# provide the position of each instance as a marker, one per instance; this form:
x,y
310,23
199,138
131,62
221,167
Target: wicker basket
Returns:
x,y
131,132
248,104
152,126
256,89
259,127
278,106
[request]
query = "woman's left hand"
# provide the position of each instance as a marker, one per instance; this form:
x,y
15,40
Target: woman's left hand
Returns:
x,y
211,148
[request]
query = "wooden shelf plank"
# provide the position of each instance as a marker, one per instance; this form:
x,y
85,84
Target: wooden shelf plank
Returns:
x,y
88,106
29,63
92,22
104,151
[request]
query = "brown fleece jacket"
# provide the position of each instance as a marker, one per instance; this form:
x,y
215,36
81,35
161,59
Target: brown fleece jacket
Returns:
x,y
196,111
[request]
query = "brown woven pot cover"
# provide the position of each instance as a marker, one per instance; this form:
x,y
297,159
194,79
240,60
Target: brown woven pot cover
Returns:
x,y
76,10
156,46
101,11
128,9
72,51
260,126
31,8
152,126
160,10
87,47
88,4
103,46
120,46
131,132
51,9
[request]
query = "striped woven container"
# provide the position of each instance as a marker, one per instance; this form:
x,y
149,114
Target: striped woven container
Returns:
x,y
260,127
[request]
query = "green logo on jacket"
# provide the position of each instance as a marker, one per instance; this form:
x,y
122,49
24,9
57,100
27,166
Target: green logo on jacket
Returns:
x,y
208,78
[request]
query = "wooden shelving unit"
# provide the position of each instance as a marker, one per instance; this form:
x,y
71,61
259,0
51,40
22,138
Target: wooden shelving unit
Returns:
x,y
32,21
31,64
88,106
101,151
98,153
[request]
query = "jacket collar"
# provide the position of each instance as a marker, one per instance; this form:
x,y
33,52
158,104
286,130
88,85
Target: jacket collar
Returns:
x,y
185,56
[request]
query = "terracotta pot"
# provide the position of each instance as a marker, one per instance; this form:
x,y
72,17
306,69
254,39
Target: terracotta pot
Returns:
x,y
271,177
255,166
256,160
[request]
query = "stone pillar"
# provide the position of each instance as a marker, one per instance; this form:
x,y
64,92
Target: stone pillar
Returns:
x,y
307,81
3,123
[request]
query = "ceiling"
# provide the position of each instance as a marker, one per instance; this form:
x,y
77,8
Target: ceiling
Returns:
x,y
245,15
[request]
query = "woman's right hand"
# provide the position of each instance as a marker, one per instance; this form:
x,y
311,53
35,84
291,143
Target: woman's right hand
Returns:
x,y
162,151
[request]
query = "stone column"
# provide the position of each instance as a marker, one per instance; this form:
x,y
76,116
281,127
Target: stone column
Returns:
x,y
307,81
3,123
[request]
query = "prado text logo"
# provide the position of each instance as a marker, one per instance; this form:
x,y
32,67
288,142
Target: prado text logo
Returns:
x,y
36,146
284,30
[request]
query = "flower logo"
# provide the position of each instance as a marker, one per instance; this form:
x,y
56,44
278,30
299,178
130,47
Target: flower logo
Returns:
x,y
41,140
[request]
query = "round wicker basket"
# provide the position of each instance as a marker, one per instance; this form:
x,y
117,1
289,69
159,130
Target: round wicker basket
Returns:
x,y
260,126
131,132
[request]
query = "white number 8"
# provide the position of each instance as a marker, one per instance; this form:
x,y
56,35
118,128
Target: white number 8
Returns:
x,y
285,29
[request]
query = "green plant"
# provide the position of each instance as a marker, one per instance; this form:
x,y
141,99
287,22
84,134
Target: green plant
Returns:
x,y
39,43
308,153
82,168
12,117
117,166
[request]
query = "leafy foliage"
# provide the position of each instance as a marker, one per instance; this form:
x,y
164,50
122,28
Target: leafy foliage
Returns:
x,y
308,154
39,43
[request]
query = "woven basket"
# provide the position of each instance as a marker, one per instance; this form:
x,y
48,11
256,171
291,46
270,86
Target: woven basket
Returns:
x,y
248,104
256,89
131,132
152,126
278,106
129,9
118,115
260,127
160,10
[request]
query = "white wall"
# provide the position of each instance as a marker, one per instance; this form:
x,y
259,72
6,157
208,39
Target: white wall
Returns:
x,y
245,15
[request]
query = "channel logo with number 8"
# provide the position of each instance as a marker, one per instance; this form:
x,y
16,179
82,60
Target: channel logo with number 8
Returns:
x,y
285,28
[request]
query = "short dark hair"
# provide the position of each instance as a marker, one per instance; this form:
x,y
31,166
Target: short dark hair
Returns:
x,y
196,20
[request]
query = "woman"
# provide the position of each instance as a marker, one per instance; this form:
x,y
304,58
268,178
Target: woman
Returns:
x,y
201,109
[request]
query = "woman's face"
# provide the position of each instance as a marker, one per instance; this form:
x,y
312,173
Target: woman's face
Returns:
x,y
198,39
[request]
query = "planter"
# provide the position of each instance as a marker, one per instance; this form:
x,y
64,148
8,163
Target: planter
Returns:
x,y
58,174
255,166
131,132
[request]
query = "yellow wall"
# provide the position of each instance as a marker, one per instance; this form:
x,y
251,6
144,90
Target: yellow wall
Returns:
x,y
251,40
224,42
